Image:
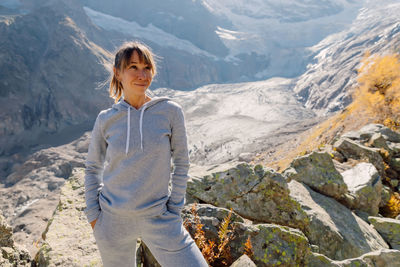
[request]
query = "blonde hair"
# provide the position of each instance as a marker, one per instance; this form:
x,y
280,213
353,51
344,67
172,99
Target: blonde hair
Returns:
x,y
121,61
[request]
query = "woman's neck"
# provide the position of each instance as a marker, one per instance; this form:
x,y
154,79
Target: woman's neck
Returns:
x,y
137,101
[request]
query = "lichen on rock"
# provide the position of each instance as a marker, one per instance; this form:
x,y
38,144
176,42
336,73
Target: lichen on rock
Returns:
x,y
317,171
256,193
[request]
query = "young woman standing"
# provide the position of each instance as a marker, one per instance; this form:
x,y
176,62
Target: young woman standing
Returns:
x,y
128,169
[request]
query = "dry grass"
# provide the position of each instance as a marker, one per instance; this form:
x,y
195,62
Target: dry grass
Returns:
x,y
248,248
215,253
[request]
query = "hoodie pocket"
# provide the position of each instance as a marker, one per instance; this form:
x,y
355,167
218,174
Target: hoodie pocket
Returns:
x,y
97,225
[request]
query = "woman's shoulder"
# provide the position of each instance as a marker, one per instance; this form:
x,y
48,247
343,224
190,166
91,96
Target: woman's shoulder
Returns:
x,y
106,114
172,104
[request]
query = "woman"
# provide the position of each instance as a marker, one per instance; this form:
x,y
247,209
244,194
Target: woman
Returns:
x,y
128,169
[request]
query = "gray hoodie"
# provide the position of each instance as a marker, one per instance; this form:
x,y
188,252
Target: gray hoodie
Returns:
x,y
128,166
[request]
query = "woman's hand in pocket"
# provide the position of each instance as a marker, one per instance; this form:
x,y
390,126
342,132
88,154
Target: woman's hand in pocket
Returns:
x,y
93,223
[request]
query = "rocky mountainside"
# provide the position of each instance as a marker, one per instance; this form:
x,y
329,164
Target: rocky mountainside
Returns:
x,y
325,210
327,84
69,42
49,72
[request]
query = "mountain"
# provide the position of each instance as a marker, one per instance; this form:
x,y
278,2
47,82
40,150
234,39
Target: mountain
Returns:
x,y
49,74
198,43
261,39
327,84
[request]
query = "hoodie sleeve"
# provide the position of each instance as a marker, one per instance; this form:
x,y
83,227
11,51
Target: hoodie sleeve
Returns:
x,y
94,170
180,156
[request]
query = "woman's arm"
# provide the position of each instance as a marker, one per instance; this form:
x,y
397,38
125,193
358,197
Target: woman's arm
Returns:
x,y
94,171
180,156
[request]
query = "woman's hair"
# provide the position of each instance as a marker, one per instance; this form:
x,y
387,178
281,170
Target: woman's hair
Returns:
x,y
121,61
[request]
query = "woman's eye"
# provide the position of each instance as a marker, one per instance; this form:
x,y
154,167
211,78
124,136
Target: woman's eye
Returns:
x,y
133,67
148,68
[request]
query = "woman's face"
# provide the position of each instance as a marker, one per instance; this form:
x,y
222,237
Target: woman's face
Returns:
x,y
136,77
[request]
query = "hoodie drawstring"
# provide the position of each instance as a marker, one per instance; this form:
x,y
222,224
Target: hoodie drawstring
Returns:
x,y
128,130
140,125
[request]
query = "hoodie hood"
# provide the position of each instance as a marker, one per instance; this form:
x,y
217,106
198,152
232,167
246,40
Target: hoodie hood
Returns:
x,y
122,105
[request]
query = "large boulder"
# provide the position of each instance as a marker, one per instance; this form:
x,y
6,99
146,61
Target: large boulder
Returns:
x,y
11,254
338,232
353,149
389,230
272,244
364,182
256,193
394,148
369,130
318,172
68,239
379,258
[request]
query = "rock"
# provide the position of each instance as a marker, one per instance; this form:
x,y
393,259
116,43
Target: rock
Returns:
x,y
364,182
338,232
379,258
318,260
385,196
395,164
394,182
271,244
276,245
353,135
144,257
317,171
256,193
246,157
11,254
68,238
369,130
243,261
378,141
389,230
351,149
394,148
6,237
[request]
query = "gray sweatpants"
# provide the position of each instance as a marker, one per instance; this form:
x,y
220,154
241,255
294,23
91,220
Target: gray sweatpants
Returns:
x,y
164,235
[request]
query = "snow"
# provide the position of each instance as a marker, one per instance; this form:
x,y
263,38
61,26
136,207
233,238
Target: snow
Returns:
x,y
266,32
150,32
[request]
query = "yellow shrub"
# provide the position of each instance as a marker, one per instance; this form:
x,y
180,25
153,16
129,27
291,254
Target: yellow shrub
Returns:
x,y
379,90
392,208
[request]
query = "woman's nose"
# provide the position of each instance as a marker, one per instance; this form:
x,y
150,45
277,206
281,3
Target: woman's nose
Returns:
x,y
142,74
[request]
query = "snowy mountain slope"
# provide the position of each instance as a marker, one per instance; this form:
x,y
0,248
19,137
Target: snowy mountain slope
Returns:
x,y
149,32
224,121
282,30
188,20
327,84
239,32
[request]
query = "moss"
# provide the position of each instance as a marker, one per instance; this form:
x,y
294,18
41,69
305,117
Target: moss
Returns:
x,y
42,257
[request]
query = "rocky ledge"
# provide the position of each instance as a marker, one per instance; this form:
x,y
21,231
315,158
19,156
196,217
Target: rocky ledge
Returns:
x,y
326,209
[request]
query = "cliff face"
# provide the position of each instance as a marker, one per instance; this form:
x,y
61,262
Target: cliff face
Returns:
x,y
49,73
